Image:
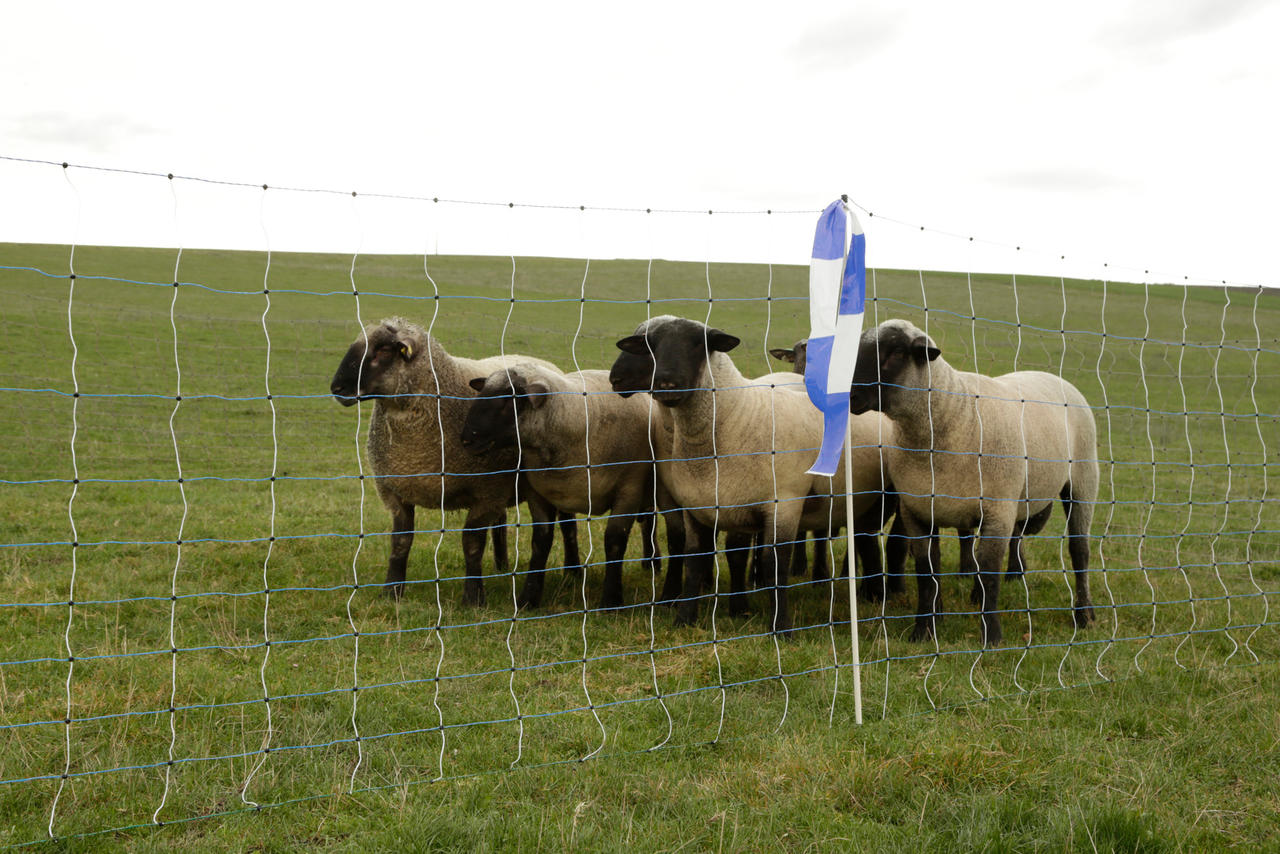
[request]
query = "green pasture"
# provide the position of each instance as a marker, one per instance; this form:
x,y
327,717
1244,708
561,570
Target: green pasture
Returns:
x,y
463,728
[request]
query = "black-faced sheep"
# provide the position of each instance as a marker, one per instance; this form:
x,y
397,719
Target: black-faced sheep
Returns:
x,y
420,395
981,453
797,356
632,373
583,450
739,451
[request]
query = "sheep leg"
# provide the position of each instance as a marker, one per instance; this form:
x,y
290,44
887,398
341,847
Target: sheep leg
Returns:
x,y
780,528
866,547
774,567
475,530
673,519
1017,566
650,554
569,535
473,542
698,566
1028,527
821,570
994,539
969,563
896,548
1079,516
543,516
616,533
739,551
401,542
498,533
924,541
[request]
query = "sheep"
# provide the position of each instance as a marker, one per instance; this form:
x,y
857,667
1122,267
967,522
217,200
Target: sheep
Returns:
x,y
739,452
797,355
977,452
583,450
420,395
633,372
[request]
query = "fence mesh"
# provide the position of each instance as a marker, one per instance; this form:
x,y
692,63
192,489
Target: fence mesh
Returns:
x,y
194,549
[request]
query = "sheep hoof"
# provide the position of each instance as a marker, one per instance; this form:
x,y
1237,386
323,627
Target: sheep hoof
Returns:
x,y
1084,616
473,593
611,603
872,589
923,630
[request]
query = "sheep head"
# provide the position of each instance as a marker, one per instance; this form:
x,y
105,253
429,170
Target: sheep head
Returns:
x,y
795,355
633,372
893,363
492,419
666,356
373,361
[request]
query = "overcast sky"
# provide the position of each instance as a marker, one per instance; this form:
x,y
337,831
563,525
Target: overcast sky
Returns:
x,y
1141,134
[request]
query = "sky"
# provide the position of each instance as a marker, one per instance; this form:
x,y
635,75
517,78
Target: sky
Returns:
x,y
1139,135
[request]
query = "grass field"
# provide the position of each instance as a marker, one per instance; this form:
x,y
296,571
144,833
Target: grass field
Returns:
x,y
1167,739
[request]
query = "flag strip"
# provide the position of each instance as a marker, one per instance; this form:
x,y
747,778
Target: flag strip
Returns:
x,y
837,302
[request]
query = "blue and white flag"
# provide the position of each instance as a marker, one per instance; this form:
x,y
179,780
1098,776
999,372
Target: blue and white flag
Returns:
x,y
837,297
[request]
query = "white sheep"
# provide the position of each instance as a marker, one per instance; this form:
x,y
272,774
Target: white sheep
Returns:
x,y
981,453
632,373
739,451
583,449
797,356
420,395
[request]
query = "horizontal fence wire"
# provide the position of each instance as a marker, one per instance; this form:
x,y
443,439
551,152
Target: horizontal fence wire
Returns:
x,y
197,541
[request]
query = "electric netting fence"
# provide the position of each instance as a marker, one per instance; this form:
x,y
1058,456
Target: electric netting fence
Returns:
x,y
194,547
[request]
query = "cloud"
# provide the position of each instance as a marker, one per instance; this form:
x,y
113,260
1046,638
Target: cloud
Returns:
x,y
96,134
1057,179
841,43
1145,26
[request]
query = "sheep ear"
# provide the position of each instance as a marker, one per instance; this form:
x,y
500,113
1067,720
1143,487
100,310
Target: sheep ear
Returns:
x,y
783,354
407,346
635,345
477,383
721,342
536,393
924,348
